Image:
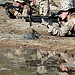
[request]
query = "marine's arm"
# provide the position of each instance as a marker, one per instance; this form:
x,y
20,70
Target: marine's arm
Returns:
x,y
63,31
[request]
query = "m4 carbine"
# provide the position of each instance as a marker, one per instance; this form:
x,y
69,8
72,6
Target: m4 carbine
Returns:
x,y
37,18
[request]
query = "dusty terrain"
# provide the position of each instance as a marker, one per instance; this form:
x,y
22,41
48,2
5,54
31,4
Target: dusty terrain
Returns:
x,y
12,32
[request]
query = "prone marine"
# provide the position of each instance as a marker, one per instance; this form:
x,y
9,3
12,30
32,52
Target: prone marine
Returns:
x,y
66,14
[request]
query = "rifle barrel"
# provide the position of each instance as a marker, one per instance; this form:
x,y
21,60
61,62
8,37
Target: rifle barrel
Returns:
x,y
33,18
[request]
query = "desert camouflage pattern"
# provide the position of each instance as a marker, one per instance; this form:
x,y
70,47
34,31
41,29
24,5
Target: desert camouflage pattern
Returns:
x,y
62,3
66,4
67,29
43,7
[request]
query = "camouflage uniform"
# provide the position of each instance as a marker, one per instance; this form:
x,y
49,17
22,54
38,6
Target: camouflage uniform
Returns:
x,y
67,29
26,9
43,7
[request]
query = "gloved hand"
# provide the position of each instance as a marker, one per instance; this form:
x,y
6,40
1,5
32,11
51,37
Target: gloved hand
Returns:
x,y
50,28
44,23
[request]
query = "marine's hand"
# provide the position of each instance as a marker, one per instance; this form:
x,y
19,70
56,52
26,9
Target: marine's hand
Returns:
x,y
50,28
44,22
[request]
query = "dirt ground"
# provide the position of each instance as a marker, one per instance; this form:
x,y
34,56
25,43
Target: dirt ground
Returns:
x,y
12,32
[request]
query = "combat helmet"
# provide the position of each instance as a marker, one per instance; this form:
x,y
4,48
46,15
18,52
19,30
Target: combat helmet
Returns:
x,y
21,1
67,5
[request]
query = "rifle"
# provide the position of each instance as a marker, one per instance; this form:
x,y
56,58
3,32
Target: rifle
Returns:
x,y
10,9
8,5
36,18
